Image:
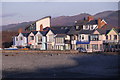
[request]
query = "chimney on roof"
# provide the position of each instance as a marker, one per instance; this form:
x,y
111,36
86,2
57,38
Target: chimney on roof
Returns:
x,y
41,27
19,30
90,18
101,23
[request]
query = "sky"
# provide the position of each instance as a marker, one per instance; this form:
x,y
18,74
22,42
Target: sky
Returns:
x,y
17,12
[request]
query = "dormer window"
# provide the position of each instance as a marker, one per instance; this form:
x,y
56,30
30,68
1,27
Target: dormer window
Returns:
x,y
92,27
65,27
77,27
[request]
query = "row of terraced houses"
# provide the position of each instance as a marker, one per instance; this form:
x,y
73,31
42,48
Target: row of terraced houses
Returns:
x,y
89,33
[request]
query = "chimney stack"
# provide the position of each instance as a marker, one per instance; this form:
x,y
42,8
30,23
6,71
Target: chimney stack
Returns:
x,y
19,30
90,18
41,27
101,23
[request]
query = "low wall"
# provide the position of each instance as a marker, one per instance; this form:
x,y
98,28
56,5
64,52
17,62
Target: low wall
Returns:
x,y
55,51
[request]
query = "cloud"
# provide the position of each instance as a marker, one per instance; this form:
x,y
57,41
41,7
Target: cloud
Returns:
x,y
8,15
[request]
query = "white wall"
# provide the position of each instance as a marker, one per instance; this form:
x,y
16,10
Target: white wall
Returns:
x,y
36,37
51,38
21,42
29,39
45,22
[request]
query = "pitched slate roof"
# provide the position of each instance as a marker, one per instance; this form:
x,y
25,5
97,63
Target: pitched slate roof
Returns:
x,y
34,32
117,29
25,34
81,22
61,27
85,22
102,31
60,30
86,31
44,32
92,22
73,31
60,35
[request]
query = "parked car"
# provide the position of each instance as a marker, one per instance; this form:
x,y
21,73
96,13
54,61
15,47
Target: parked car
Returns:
x,y
80,49
1,49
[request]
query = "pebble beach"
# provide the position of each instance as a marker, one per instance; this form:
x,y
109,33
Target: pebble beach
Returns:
x,y
50,65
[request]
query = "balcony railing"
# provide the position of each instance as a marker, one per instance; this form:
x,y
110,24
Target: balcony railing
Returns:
x,y
110,41
67,41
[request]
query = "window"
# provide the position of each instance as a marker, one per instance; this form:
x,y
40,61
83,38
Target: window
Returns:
x,y
39,43
77,27
32,37
86,27
16,39
91,27
110,37
95,46
107,37
21,38
82,37
88,46
51,38
39,38
115,37
94,37
73,38
101,46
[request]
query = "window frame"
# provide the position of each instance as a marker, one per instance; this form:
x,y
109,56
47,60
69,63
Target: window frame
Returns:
x,y
31,37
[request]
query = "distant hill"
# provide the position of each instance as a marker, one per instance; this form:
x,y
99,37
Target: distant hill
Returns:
x,y
103,14
67,20
14,27
111,17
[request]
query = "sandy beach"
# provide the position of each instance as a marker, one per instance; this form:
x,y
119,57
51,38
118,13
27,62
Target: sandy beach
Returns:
x,y
48,65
